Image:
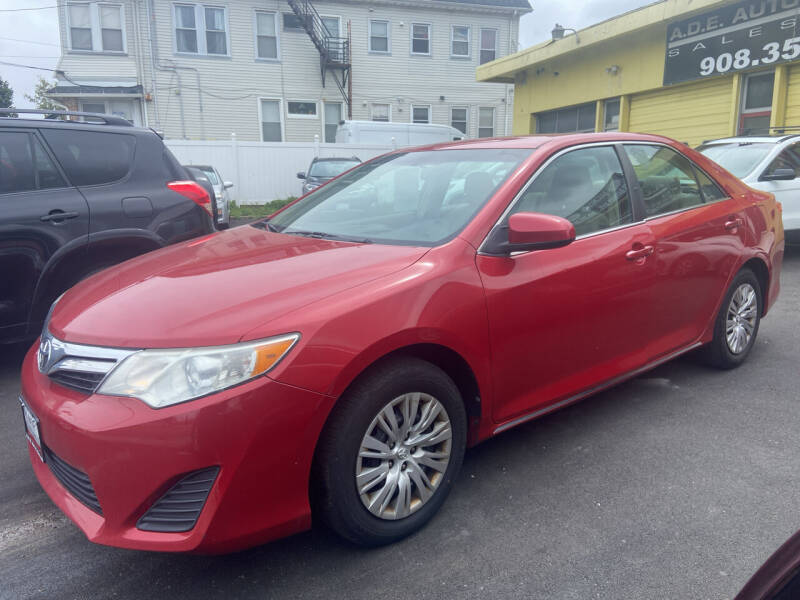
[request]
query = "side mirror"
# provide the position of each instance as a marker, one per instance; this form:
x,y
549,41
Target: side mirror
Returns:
x,y
779,175
227,184
301,175
526,232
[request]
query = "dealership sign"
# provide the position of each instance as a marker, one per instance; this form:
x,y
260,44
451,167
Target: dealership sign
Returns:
x,y
735,37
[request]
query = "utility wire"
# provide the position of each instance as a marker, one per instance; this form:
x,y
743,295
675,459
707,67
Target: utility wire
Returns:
x,y
8,39
8,10
11,64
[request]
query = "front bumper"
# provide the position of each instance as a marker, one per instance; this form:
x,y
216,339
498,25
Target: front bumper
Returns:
x,y
261,435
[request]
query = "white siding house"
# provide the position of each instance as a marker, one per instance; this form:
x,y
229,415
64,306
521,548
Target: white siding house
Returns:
x,y
209,69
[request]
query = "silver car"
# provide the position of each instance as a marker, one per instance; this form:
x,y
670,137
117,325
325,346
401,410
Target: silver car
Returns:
x,y
770,164
223,197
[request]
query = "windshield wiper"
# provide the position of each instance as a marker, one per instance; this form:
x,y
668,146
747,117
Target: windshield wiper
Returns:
x,y
266,225
321,235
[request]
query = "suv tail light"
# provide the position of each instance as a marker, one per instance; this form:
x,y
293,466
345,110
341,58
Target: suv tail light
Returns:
x,y
195,192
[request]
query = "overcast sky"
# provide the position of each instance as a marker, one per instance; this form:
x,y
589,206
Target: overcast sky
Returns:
x,y
30,37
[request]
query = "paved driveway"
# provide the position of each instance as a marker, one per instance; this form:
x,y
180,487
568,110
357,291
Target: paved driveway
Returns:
x,y
675,485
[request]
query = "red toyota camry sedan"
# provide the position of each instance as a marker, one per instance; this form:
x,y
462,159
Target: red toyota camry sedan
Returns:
x,y
336,359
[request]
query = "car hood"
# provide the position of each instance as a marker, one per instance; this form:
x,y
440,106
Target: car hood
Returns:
x,y
212,290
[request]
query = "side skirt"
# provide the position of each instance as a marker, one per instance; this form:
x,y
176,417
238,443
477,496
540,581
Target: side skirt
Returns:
x,y
598,388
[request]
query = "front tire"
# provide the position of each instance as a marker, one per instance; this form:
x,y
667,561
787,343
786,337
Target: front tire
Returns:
x,y
736,326
390,452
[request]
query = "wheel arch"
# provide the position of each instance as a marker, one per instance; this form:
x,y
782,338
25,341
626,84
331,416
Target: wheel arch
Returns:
x,y
76,261
759,268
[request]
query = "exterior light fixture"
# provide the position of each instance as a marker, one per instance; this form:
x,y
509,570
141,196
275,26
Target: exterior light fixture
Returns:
x,y
559,31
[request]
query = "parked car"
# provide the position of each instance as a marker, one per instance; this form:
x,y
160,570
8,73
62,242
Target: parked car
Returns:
x,y
220,208
77,197
223,197
322,170
779,577
338,357
400,134
771,164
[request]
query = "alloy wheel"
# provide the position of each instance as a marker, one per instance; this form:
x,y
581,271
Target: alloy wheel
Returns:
x,y
741,318
403,456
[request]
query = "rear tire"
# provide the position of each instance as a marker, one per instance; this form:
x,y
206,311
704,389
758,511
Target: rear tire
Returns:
x,y
736,325
390,452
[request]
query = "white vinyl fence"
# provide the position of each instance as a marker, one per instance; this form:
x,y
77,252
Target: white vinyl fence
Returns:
x,y
264,171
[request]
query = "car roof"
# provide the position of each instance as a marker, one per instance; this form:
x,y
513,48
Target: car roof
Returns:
x,y
764,139
22,121
532,142
336,158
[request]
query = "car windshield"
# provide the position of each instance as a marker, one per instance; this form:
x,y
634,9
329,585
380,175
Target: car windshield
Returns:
x,y
212,175
330,168
414,198
738,158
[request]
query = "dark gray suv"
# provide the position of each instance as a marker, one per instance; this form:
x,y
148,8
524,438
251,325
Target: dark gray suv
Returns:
x,y
77,197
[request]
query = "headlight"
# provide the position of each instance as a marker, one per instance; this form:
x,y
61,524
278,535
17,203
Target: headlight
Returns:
x,y
165,377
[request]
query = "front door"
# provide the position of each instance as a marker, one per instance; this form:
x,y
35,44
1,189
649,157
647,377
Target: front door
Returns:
x,y
41,217
562,321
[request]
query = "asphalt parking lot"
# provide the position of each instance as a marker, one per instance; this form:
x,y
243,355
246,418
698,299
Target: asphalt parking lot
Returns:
x,y
678,484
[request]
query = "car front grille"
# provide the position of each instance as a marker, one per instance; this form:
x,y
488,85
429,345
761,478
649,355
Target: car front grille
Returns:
x,y
179,508
75,481
78,380
77,366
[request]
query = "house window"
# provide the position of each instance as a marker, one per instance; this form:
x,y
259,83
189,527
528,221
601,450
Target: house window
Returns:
x,y
611,116
266,35
201,29
291,22
421,114
379,36
93,107
96,27
333,114
458,118
297,108
459,41
486,121
380,112
271,121
331,25
420,39
488,45
756,110
567,120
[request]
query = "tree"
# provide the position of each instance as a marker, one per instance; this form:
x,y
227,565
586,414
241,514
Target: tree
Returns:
x,y
6,94
39,98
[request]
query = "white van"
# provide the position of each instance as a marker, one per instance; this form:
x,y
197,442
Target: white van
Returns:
x,y
400,134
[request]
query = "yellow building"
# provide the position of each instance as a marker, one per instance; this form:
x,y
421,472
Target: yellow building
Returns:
x,y
689,69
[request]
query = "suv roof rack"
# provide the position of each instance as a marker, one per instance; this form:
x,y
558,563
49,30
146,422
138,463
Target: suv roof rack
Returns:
x,y
107,119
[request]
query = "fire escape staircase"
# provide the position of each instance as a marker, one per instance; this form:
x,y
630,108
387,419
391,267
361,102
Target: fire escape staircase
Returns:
x,y
334,52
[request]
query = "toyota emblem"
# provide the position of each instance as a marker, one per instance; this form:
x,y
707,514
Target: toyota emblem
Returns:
x,y
45,348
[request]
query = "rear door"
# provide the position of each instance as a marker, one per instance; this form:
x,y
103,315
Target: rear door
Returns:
x,y
700,236
562,321
42,218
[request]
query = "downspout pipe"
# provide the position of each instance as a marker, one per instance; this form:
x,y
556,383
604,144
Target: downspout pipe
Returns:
x,y
157,65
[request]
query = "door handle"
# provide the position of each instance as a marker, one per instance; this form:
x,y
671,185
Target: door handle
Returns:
x,y
733,225
58,215
640,253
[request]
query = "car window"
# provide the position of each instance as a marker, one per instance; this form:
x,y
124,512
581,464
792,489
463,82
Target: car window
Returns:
x,y
585,186
739,158
211,174
788,159
330,168
24,165
92,157
47,174
16,162
400,198
711,191
666,178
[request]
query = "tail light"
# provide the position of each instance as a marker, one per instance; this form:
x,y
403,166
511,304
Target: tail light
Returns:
x,y
195,192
